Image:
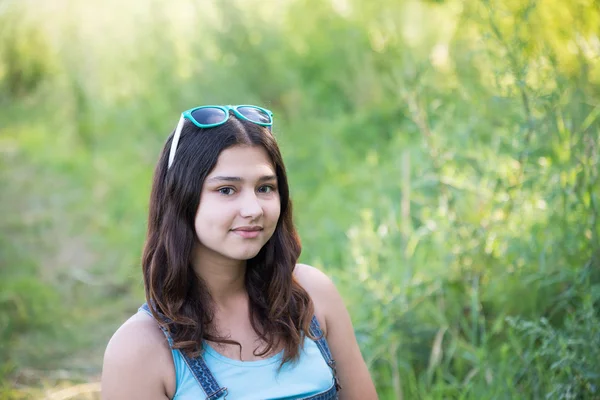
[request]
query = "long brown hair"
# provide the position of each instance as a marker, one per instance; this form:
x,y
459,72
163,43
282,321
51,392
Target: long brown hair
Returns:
x,y
280,309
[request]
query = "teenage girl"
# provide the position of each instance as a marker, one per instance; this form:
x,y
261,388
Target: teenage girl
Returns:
x,y
229,313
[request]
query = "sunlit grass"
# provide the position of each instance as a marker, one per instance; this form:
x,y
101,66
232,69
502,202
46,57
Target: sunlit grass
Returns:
x,y
443,160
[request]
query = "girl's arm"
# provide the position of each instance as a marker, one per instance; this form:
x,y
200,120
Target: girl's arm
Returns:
x,y
138,363
333,316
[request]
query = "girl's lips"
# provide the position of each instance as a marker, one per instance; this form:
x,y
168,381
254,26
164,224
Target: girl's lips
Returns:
x,y
248,232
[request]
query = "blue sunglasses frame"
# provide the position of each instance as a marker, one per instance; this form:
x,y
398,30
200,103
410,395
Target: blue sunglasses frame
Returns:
x,y
226,109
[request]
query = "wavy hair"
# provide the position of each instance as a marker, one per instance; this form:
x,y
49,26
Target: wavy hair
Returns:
x,y
280,309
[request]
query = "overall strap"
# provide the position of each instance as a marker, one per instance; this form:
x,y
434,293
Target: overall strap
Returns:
x,y
315,330
197,366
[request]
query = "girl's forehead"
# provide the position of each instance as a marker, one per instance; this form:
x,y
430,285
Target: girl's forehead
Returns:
x,y
243,160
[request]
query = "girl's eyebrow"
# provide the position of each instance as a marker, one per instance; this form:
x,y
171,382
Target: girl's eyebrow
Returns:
x,y
264,178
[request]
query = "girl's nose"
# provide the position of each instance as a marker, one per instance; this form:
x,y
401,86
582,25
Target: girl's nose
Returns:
x,y
251,207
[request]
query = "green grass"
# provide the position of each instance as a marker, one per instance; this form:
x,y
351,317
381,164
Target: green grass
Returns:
x,y
443,160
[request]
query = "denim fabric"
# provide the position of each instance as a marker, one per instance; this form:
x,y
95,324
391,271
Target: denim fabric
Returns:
x,y
214,391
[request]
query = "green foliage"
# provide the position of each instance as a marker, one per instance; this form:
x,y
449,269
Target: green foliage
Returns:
x,y
25,60
563,357
27,303
443,157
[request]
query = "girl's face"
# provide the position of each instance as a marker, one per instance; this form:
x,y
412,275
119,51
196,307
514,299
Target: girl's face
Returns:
x,y
239,205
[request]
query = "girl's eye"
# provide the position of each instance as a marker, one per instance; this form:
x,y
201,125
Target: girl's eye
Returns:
x,y
266,189
227,191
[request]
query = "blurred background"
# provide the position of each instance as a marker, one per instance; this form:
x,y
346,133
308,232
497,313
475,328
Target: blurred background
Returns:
x,y
442,155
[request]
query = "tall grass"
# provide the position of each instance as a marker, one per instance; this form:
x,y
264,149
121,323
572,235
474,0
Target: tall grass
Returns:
x,y
443,158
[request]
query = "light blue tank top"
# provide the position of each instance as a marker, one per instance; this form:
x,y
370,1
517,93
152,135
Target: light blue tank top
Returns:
x,y
260,379
257,380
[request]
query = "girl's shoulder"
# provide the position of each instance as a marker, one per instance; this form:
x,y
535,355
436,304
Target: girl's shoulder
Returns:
x,y
339,332
139,355
320,288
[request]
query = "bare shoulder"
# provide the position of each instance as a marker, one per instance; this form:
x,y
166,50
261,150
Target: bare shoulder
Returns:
x,y
312,279
333,314
138,362
138,333
321,290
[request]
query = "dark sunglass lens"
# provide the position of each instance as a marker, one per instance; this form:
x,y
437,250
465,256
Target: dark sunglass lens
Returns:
x,y
255,114
209,115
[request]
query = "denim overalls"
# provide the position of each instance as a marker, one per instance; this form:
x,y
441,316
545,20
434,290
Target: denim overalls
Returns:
x,y
214,391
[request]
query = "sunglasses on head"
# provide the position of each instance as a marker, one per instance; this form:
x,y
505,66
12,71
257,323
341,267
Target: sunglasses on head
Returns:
x,y
211,116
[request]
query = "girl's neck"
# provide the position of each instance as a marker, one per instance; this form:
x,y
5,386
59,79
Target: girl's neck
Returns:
x,y
225,278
